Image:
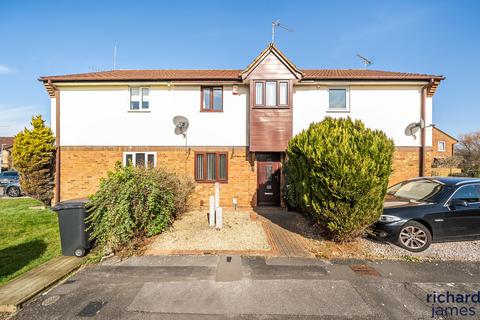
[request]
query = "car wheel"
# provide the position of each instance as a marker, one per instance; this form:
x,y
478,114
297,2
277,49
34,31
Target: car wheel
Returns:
x,y
414,237
13,192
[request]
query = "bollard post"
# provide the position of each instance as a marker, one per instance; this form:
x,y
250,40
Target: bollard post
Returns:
x,y
217,195
211,212
218,218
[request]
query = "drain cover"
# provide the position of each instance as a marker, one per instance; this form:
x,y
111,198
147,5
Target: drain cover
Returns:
x,y
50,300
364,270
91,309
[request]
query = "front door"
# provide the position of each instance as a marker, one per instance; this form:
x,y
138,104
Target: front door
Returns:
x,y
268,190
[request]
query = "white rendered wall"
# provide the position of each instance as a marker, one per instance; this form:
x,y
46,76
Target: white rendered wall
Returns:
x,y
99,116
389,109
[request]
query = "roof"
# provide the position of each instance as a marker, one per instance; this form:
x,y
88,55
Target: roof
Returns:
x,y
238,75
438,129
7,141
279,54
234,75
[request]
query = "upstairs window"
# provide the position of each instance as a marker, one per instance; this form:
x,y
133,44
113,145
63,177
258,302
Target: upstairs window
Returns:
x,y
140,159
211,166
139,98
442,146
212,99
338,99
271,93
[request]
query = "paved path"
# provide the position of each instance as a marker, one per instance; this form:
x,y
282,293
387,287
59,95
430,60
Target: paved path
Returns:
x,y
17,291
233,287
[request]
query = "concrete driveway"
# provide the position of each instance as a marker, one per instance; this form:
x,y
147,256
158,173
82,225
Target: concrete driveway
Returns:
x,y
219,287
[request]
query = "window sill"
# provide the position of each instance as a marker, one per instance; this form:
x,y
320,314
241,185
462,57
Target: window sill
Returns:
x,y
217,111
211,182
139,111
337,111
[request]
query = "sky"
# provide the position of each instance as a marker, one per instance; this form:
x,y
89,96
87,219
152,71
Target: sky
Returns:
x,y
41,38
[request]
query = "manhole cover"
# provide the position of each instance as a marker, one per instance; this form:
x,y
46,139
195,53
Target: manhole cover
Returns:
x,y
364,270
50,300
91,309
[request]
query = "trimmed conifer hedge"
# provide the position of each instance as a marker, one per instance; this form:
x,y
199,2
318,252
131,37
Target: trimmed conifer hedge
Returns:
x,y
337,171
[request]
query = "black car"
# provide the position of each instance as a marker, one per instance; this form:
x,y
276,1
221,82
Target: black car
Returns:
x,y
9,181
420,211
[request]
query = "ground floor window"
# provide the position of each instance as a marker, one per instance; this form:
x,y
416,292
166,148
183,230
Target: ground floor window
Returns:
x,y
140,159
211,166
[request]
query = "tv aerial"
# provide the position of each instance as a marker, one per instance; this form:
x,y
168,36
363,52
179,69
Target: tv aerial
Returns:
x,y
366,62
181,125
276,24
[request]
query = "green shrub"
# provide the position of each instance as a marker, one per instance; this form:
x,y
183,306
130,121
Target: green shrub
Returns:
x,y
338,171
133,203
34,157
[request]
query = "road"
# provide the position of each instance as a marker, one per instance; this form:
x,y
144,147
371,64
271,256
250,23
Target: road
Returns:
x,y
233,287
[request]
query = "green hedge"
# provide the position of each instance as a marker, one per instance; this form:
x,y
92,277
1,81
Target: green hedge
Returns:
x,y
133,203
337,171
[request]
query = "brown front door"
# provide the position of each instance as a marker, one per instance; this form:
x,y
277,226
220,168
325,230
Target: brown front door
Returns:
x,y
268,190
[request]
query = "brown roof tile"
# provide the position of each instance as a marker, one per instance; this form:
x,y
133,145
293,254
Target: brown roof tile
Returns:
x,y
309,74
364,74
7,141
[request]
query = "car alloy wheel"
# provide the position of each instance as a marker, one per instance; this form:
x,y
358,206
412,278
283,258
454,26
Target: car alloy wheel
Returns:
x,y
13,192
414,237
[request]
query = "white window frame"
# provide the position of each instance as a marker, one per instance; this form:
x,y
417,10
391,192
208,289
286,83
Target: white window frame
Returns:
x,y
134,157
444,148
347,99
140,97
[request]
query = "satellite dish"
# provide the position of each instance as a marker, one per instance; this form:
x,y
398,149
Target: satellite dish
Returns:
x,y
181,125
412,129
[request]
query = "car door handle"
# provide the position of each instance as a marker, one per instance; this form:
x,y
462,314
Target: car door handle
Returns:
x,y
438,220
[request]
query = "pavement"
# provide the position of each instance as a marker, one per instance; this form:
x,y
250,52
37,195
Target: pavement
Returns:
x,y
235,287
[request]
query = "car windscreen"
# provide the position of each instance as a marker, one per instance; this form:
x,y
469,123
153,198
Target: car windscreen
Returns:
x,y
419,190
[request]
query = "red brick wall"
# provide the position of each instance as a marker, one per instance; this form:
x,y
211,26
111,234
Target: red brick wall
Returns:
x,y
82,167
438,135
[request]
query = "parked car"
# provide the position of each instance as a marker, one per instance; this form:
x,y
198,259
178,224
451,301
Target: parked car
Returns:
x,y
9,181
420,211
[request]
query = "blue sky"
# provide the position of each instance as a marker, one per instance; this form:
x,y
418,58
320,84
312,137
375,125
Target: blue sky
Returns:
x,y
60,37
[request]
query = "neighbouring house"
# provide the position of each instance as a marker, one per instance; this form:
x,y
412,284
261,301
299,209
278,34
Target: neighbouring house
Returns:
x,y
6,145
443,147
240,122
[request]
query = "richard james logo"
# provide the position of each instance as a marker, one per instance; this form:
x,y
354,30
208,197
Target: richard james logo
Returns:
x,y
450,304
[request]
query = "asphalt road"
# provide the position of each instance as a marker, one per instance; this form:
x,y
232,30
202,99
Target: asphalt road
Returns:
x,y
212,287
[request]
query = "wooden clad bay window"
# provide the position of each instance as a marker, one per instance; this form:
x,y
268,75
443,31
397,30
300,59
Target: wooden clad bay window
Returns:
x,y
140,159
270,93
211,166
212,99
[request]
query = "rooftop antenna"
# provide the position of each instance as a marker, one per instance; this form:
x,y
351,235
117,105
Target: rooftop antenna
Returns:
x,y
114,57
276,24
366,62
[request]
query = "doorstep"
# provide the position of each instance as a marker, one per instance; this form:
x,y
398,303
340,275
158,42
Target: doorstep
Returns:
x,y
24,287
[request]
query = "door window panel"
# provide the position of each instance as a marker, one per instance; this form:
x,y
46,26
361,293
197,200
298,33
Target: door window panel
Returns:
x,y
468,193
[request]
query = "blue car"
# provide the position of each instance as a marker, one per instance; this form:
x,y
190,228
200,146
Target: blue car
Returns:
x,y
9,181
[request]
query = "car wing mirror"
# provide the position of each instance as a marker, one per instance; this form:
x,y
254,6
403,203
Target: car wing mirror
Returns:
x,y
458,203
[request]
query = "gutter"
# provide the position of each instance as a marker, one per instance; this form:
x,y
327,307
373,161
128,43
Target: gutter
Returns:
x,y
424,128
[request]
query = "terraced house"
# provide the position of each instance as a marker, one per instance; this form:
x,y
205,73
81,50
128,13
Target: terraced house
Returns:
x,y
240,122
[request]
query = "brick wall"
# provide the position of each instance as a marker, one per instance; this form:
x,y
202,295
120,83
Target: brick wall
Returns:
x,y
406,163
82,167
438,135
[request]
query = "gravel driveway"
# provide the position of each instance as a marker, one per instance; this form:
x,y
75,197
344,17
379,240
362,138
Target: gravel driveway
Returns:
x,y
462,250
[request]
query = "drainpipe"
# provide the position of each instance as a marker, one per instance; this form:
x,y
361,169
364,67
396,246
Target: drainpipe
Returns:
x,y
423,138
57,141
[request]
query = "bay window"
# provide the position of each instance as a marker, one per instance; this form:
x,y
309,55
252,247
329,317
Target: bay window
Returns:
x,y
271,93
